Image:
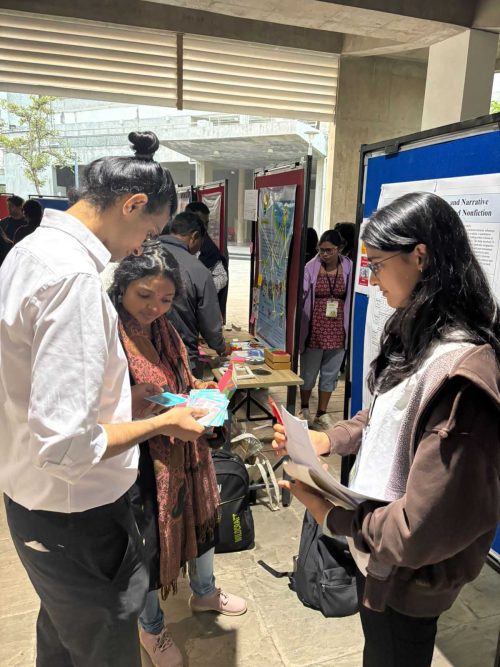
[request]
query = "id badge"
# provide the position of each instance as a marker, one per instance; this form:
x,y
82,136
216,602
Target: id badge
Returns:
x,y
332,308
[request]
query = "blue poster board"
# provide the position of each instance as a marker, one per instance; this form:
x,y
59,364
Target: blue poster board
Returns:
x,y
59,203
464,149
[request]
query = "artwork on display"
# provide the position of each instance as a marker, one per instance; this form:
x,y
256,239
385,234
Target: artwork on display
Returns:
x,y
275,230
476,199
214,203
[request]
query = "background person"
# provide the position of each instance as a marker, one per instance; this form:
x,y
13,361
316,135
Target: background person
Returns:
x,y
176,497
428,447
325,324
347,232
9,224
33,213
211,256
196,311
67,442
311,244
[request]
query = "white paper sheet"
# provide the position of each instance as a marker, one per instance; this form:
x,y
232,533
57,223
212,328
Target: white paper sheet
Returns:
x,y
307,468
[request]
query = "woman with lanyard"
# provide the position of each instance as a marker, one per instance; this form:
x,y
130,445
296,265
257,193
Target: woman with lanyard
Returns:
x,y
325,322
175,498
428,448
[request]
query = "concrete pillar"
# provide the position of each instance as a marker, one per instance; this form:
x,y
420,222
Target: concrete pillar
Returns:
x,y
319,195
328,178
459,78
204,173
378,98
241,224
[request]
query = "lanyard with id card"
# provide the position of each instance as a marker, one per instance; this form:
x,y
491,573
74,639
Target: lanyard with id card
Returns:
x,y
332,305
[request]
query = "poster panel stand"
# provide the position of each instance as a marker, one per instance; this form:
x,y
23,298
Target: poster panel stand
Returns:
x,y
4,211
214,195
185,195
287,189
52,201
460,162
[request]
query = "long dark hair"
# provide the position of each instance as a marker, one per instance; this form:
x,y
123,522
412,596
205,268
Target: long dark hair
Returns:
x,y
108,178
452,296
154,261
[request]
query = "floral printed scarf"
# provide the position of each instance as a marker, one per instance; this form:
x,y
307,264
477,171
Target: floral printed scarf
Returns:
x,y
187,493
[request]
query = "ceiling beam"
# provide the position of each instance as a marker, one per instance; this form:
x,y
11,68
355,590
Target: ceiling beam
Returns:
x,y
142,14
453,12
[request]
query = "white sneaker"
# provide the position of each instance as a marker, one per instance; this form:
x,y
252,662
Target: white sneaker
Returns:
x,y
305,415
322,423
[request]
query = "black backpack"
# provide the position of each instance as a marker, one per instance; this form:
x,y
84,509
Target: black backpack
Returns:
x,y
324,575
236,530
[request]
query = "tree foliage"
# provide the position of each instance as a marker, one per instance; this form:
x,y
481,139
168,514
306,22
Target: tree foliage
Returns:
x,y
494,106
35,139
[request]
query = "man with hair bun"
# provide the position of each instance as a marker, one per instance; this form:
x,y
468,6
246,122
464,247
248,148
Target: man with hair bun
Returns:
x,y
68,443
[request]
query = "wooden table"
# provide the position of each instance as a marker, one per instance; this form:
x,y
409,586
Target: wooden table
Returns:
x,y
276,378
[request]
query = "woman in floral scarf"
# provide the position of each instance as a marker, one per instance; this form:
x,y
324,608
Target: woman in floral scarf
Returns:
x,y
176,494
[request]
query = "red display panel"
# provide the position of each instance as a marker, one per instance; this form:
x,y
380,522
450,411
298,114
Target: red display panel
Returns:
x,y
292,177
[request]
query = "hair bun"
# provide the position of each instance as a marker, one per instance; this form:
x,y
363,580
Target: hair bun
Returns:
x,y
144,144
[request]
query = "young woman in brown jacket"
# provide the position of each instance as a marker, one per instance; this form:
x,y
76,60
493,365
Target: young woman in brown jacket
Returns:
x,y
429,446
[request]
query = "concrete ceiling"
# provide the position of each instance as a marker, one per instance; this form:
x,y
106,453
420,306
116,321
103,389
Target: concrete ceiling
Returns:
x,y
243,152
346,27
369,27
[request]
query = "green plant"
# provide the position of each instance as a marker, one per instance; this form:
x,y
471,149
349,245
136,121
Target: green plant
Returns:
x,y
35,140
494,106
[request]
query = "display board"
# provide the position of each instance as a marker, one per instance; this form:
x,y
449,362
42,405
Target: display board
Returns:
x,y
185,195
278,251
59,203
4,211
276,211
214,196
461,162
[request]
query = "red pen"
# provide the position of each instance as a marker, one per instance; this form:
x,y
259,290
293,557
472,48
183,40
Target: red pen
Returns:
x,y
275,410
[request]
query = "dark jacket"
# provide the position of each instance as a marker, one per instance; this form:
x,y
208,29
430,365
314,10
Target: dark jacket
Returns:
x,y
196,312
209,256
425,546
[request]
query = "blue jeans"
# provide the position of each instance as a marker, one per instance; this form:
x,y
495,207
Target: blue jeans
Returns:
x,y
202,582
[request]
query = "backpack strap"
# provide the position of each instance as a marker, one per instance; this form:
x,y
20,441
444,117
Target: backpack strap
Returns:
x,y
267,474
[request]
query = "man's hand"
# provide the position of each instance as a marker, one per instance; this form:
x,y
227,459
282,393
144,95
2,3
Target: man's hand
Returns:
x,y
313,501
181,423
140,407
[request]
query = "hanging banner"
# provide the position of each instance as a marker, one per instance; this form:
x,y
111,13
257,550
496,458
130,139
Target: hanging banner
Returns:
x,y
275,229
476,199
214,202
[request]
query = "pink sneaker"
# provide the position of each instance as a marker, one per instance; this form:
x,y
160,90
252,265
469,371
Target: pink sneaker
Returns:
x,y
161,649
222,603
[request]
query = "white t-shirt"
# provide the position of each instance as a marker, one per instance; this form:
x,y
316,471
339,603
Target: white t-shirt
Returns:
x,y
63,372
370,473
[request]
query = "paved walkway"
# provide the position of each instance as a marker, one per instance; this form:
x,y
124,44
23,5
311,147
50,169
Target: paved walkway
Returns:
x,y
277,630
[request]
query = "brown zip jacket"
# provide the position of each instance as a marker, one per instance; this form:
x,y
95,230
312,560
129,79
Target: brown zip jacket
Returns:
x,y
434,539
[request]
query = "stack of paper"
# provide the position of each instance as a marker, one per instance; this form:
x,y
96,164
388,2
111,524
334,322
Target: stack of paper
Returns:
x,y
307,468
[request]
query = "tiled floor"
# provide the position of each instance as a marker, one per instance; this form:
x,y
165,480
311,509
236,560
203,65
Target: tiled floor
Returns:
x,y
277,630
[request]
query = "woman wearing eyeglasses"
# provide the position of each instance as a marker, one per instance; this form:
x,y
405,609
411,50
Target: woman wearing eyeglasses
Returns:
x,y
429,446
325,322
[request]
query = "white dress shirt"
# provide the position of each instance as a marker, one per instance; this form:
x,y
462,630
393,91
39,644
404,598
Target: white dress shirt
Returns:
x,y
63,372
